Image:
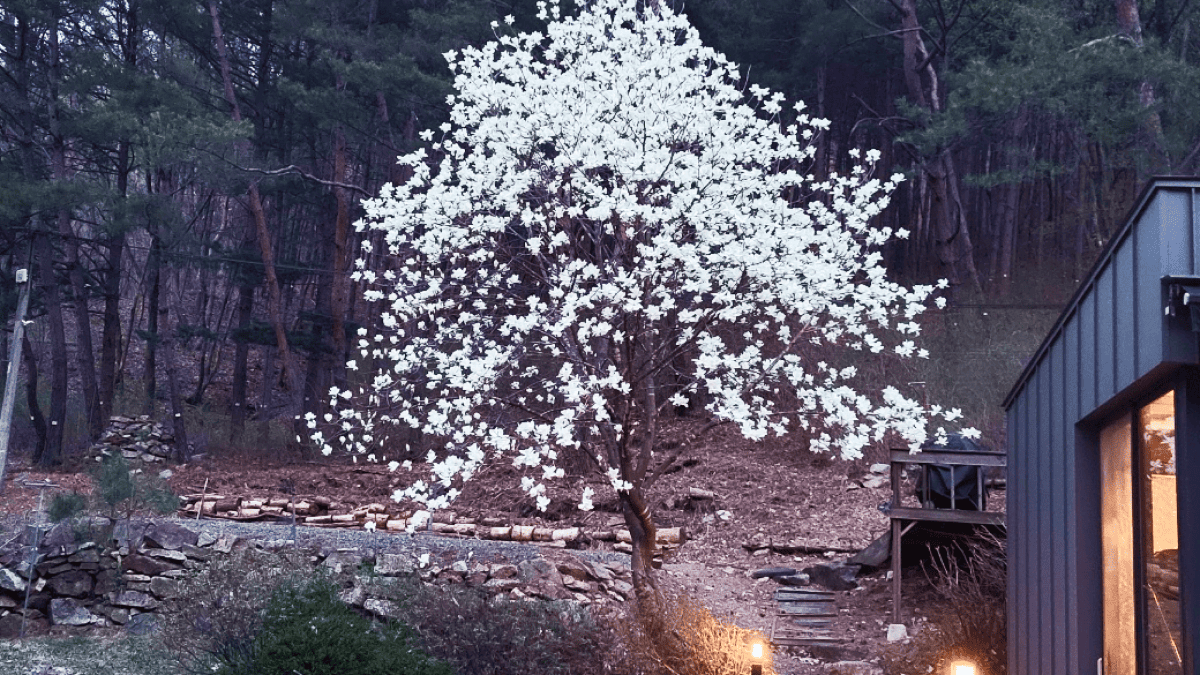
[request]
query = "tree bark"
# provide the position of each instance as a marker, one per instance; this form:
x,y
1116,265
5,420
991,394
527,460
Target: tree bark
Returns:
x,y
274,298
1129,23
52,453
951,230
36,417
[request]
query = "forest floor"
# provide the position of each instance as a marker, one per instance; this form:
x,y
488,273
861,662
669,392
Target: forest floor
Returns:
x,y
773,491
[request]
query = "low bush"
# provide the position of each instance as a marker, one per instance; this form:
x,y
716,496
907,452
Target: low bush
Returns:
x,y
971,622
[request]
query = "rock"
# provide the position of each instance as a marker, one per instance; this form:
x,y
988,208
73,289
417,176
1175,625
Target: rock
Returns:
x,y
853,668
460,566
164,588
167,554
75,584
875,482
623,588
7,602
11,581
538,568
10,626
88,554
206,539
897,632
504,571
881,469
141,624
68,612
382,608
60,540
354,596
118,615
834,576
772,572
392,565
141,564
135,600
573,568
501,585
226,543
600,572
170,535
343,561
549,589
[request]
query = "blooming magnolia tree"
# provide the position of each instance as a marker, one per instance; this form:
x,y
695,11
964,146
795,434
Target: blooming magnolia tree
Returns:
x,y
611,226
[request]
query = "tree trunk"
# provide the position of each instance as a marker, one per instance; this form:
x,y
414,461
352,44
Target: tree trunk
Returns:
x,y
952,235
179,426
36,417
642,534
274,301
1129,23
154,283
52,300
245,312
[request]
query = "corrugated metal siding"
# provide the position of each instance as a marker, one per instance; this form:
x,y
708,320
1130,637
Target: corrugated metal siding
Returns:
x,y
1112,334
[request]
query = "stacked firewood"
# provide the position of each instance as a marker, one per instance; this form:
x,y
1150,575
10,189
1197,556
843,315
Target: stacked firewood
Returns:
x,y
323,512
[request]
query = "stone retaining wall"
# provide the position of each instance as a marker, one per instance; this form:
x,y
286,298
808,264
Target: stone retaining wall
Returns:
x,y
72,580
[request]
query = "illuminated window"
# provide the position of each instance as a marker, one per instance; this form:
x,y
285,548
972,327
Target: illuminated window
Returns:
x,y
1141,583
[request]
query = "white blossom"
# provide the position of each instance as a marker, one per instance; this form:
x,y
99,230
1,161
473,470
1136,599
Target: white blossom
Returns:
x,y
607,204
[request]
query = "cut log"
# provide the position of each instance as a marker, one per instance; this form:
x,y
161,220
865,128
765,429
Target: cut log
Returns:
x,y
396,525
566,534
499,533
522,533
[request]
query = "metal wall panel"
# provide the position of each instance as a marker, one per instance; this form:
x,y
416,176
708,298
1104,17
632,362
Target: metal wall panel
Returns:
x,y
1106,351
1056,502
1125,314
1072,383
1112,334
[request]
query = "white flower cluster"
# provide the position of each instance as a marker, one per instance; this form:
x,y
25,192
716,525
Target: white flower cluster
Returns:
x,y
608,204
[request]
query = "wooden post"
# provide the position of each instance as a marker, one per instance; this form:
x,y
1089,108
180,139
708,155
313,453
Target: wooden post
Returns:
x,y
14,369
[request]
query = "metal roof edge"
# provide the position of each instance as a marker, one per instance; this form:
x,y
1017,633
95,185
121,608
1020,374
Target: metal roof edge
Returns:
x,y
1152,187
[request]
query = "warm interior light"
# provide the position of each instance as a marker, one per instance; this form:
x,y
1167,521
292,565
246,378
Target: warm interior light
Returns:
x,y
756,650
962,668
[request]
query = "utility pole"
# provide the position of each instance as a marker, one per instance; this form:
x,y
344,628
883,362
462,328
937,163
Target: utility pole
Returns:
x,y
14,369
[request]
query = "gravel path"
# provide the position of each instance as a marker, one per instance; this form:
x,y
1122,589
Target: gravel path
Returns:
x,y
437,545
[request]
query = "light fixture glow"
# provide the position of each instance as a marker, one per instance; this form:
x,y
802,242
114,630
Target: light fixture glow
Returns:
x,y
756,651
962,668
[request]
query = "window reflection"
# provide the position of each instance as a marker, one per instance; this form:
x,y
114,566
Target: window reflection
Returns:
x,y
1160,536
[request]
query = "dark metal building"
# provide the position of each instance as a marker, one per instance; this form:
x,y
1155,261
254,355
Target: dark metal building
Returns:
x,y
1103,435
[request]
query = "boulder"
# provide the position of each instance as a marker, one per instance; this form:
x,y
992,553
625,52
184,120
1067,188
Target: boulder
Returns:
x,y
11,581
68,612
141,564
134,600
392,565
75,584
169,535
853,668
570,567
141,624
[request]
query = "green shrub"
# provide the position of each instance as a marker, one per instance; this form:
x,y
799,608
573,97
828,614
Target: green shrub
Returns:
x,y
120,489
218,609
307,629
67,505
480,634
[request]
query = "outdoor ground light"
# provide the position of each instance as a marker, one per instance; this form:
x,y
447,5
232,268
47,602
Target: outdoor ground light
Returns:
x,y
962,667
756,658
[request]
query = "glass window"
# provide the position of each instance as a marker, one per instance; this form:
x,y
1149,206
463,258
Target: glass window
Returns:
x,y
1138,504
1160,536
